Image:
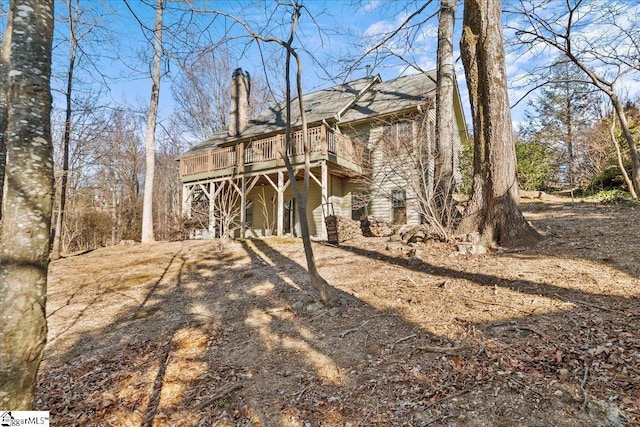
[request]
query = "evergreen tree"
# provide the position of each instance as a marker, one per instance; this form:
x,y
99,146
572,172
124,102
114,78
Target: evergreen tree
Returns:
x,y
559,117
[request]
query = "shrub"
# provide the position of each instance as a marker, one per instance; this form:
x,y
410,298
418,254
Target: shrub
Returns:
x,y
614,197
534,165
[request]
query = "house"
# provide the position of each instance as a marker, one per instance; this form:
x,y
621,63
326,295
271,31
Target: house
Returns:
x,y
238,175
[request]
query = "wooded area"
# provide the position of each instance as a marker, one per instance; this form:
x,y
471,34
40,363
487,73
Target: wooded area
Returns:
x,y
83,170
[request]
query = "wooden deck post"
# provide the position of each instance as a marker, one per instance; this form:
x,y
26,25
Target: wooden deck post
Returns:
x,y
240,157
323,139
186,201
212,209
280,219
324,180
243,206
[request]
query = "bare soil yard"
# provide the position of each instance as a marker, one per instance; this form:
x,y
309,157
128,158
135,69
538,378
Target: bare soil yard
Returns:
x,y
181,333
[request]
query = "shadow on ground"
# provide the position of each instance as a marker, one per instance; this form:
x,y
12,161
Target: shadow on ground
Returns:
x,y
233,338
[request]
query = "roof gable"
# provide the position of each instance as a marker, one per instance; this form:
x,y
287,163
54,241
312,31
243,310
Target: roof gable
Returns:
x,y
358,100
393,96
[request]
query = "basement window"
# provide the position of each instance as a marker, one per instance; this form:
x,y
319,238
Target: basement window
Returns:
x,y
399,206
360,205
248,214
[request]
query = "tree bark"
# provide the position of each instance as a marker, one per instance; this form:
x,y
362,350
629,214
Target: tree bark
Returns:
x,y
149,139
570,149
4,104
493,210
320,285
616,145
628,136
24,249
444,111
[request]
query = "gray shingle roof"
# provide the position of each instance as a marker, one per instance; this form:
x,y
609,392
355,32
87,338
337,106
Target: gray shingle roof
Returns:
x,y
393,96
353,101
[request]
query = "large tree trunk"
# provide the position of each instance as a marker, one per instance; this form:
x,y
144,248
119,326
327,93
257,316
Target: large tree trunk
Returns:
x,y
444,112
149,139
28,201
4,103
493,210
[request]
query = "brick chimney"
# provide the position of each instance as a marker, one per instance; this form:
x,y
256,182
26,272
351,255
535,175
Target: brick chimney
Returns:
x,y
240,87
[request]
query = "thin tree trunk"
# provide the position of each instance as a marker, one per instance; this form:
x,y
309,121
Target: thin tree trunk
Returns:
x,y
149,140
62,196
493,210
317,282
609,90
24,249
570,149
633,149
625,175
444,111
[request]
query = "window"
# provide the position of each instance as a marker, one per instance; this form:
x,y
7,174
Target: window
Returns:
x,y
360,203
398,139
399,206
248,214
404,130
399,133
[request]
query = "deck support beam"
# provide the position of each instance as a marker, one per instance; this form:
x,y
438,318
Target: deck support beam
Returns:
x,y
212,209
324,184
186,200
280,207
243,206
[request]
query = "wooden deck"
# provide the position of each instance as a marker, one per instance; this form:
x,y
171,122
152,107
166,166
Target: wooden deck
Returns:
x,y
231,160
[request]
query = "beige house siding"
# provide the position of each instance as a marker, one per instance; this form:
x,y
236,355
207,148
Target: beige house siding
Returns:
x,y
264,217
359,110
385,179
260,218
350,188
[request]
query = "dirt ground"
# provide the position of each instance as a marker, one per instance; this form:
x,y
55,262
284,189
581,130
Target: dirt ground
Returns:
x,y
182,333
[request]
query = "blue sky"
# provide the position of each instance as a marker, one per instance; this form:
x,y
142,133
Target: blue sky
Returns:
x,y
118,50
327,42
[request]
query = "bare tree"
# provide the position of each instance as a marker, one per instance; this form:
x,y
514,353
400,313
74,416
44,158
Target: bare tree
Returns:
x,y
446,82
4,104
119,165
227,207
405,44
604,59
149,140
167,210
401,45
493,210
202,91
619,159
317,282
28,202
72,14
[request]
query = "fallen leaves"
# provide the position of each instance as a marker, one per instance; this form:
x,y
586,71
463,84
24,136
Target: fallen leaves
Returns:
x,y
545,336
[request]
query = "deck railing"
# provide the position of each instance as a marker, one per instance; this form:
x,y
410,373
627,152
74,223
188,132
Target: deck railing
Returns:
x,y
321,138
